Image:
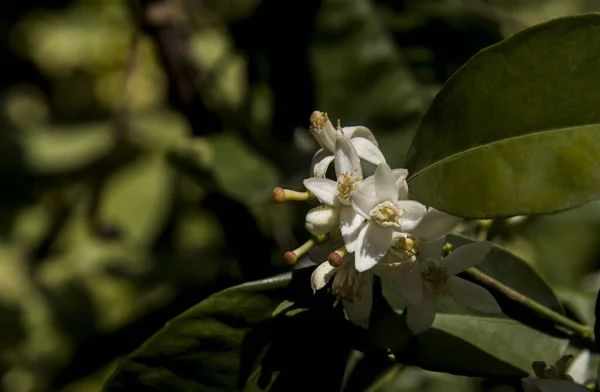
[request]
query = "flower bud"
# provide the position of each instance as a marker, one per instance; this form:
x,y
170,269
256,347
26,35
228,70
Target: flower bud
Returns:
x,y
321,220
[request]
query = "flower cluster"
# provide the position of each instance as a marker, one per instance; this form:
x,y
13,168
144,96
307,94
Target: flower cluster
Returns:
x,y
383,232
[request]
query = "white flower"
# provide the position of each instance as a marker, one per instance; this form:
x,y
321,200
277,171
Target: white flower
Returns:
x,y
336,195
434,224
354,288
385,213
430,276
323,130
558,378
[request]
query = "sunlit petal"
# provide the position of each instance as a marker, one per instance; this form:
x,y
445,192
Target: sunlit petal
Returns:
x,y
385,184
363,202
412,213
367,150
322,275
320,163
372,244
324,189
359,131
346,158
351,223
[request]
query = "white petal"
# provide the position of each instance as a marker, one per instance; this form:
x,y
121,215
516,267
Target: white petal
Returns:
x,y
432,249
579,368
363,202
320,163
400,175
321,220
372,244
359,131
351,222
367,150
325,135
435,224
410,286
466,256
324,189
346,158
322,275
412,214
359,309
385,184
551,385
472,295
419,319
402,190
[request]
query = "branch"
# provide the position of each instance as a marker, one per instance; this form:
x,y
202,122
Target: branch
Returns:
x,y
583,330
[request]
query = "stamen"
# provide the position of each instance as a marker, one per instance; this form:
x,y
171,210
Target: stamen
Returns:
x,y
346,184
292,256
318,119
447,249
405,247
435,275
281,195
335,257
386,214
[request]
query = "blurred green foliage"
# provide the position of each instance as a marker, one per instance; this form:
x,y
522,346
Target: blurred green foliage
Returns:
x,y
126,198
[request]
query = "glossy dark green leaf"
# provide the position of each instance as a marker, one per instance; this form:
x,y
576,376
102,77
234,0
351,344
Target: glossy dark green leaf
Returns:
x,y
580,303
485,346
200,349
516,130
467,344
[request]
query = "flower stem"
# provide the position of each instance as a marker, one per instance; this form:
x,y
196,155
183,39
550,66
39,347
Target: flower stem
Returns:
x,y
586,331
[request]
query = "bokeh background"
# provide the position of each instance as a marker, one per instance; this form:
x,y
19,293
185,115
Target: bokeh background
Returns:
x,y
140,141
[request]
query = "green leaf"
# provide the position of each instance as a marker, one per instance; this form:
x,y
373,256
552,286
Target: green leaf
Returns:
x,y
516,130
243,175
138,198
507,343
58,150
231,341
469,345
580,303
200,349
